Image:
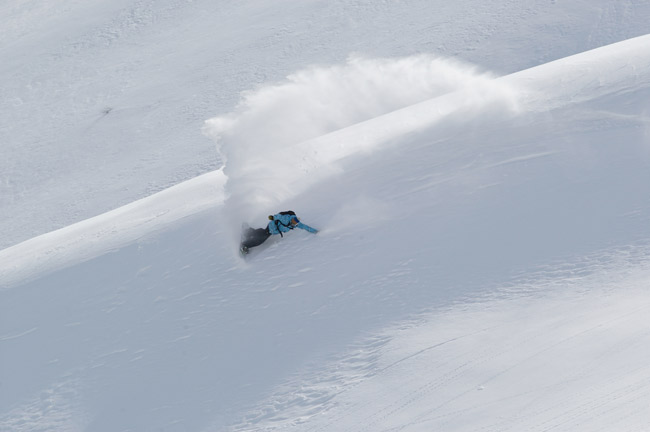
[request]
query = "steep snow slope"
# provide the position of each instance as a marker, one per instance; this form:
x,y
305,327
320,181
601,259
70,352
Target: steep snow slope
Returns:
x,y
102,102
483,266
101,234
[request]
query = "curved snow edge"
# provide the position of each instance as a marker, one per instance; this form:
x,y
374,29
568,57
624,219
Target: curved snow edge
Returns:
x,y
93,237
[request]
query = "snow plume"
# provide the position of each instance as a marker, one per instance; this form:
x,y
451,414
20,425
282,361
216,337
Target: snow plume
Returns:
x,y
279,139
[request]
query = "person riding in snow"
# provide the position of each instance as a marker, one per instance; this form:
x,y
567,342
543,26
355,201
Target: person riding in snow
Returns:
x,y
280,223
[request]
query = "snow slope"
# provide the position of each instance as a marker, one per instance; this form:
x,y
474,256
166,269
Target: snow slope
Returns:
x,y
482,265
102,102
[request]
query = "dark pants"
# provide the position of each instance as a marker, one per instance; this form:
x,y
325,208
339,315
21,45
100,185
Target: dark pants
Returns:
x,y
255,237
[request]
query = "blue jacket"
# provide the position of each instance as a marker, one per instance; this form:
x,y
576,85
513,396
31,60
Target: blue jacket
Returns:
x,y
282,224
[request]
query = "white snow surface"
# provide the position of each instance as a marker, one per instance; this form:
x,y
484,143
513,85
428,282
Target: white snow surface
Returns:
x,y
102,102
480,177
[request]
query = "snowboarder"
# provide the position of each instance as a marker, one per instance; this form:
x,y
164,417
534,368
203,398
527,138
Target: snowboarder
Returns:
x,y
279,223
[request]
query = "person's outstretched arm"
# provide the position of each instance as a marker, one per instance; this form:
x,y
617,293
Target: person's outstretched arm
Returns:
x,y
306,228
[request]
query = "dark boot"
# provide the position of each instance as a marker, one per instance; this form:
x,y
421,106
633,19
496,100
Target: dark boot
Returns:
x,y
255,237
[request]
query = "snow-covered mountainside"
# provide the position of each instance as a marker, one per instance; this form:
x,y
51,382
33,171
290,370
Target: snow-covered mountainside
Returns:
x,y
480,180
482,264
102,102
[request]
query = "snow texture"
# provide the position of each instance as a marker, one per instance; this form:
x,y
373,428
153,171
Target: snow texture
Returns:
x,y
479,173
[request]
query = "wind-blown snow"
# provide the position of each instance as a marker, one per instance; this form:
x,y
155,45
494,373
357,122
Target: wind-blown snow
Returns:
x,y
277,144
319,100
284,138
